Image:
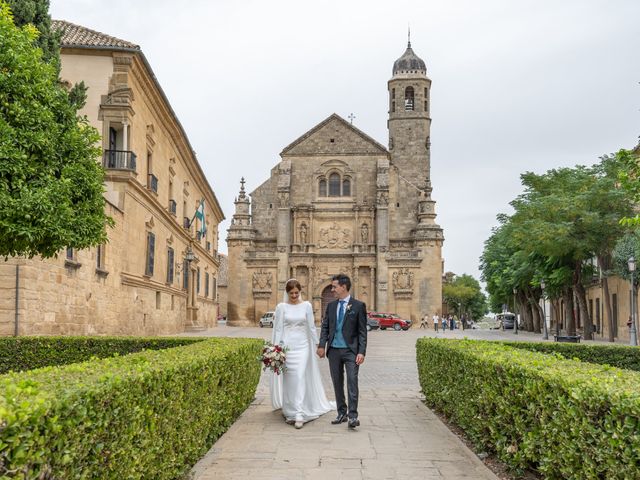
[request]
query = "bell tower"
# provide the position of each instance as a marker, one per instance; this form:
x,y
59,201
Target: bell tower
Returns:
x,y
409,121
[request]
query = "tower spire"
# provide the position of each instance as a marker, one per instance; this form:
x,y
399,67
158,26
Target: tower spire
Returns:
x,y
408,35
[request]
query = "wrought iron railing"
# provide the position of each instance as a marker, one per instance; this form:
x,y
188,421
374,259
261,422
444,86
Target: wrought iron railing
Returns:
x,y
119,160
152,182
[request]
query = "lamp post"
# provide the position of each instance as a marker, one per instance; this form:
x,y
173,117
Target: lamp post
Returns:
x,y
633,340
515,331
545,334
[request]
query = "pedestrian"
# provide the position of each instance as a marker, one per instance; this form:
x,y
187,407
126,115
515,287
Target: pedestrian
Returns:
x,y
436,321
452,323
425,321
444,324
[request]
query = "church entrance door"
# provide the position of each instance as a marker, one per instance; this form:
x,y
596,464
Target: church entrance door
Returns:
x,y
327,297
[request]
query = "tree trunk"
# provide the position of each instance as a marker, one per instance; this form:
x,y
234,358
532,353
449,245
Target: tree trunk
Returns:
x,y
569,321
535,315
604,263
581,296
556,315
525,311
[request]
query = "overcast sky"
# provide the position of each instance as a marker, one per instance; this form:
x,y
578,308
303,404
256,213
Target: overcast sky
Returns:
x,y
517,86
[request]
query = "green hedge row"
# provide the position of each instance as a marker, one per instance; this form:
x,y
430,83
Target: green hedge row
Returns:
x,y
148,415
621,356
564,418
26,353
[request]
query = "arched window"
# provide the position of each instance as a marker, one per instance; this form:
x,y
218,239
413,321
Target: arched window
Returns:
x,y
322,188
346,187
334,185
408,98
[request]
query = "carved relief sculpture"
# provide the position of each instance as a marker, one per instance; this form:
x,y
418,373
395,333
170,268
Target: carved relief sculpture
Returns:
x,y
403,281
334,237
303,234
262,281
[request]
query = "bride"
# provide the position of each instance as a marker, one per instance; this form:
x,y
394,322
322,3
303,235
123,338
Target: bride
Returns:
x,y
298,391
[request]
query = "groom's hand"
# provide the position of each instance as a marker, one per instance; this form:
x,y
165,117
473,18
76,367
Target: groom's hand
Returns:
x,y
359,359
320,352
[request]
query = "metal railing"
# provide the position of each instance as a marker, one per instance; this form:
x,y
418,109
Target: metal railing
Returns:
x,y
119,160
152,183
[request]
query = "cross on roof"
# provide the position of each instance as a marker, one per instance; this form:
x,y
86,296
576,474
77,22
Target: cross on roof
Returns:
x,y
351,117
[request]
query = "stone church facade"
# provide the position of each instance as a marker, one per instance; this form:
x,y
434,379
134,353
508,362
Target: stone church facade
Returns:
x,y
338,201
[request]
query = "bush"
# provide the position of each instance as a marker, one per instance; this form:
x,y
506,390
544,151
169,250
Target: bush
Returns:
x,y
26,353
565,418
621,356
147,415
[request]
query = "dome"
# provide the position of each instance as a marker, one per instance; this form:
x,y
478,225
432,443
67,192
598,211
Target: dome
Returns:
x,y
409,62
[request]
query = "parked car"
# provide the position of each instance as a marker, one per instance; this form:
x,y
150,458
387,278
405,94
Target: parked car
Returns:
x,y
390,320
372,324
266,320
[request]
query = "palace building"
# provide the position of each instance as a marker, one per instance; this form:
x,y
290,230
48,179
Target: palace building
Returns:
x,y
158,272
338,201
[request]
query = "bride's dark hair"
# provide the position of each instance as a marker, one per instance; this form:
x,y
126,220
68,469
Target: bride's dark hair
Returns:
x,y
291,284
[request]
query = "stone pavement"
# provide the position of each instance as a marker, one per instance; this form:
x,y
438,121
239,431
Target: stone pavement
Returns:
x,y
399,437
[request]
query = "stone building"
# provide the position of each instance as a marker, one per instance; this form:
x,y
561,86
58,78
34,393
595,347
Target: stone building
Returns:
x,y
338,201
157,274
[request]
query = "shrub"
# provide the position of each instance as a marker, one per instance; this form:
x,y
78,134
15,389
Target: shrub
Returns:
x,y
150,414
565,418
26,353
621,356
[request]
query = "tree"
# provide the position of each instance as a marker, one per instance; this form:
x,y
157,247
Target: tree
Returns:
x,y
36,13
51,185
463,294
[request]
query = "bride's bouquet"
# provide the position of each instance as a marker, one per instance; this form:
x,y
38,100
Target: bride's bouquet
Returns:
x,y
273,357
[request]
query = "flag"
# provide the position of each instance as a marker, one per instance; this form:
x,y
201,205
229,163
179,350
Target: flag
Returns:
x,y
200,216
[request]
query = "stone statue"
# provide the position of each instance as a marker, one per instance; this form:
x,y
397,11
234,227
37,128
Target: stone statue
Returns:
x,y
364,233
303,234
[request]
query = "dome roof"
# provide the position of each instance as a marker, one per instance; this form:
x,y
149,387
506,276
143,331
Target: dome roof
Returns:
x,y
409,62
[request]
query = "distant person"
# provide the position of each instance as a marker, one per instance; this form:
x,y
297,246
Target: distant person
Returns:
x,y
436,321
425,321
444,324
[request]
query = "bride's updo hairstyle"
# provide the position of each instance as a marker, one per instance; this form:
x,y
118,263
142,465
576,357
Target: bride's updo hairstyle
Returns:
x,y
291,284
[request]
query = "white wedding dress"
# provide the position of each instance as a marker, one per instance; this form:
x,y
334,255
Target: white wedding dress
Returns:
x,y
299,390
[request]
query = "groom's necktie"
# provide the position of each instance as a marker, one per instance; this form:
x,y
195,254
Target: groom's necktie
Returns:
x,y
341,313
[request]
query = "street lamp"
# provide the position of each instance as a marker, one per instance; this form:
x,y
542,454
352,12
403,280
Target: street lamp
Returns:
x,y
545,335
514,311
632,332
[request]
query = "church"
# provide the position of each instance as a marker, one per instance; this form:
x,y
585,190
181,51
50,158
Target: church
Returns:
x,y
340,202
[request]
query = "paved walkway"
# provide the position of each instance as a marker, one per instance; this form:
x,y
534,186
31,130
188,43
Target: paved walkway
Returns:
x,y
399,437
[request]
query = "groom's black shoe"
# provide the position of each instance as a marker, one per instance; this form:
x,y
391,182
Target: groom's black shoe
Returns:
x,y
341,418
353,423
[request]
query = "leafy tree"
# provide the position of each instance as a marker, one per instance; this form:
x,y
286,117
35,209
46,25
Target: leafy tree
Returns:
x,y
463,294
36,13
51,185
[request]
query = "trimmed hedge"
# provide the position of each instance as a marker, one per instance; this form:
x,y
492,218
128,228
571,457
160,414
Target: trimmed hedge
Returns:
x,y
621,356
564,418
148,415
26,353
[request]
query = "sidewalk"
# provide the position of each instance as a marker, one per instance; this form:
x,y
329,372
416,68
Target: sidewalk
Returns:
x,y
399,437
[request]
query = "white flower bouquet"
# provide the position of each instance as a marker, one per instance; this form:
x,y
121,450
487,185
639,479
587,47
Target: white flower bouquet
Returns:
x,y
273,357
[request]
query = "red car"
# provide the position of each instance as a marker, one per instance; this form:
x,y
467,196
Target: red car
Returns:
x,y
390,320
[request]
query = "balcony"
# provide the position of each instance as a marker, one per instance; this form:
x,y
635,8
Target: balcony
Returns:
x,y
172,207
119,160
152,183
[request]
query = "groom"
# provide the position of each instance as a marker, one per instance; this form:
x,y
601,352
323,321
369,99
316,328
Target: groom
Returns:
x,y
344,335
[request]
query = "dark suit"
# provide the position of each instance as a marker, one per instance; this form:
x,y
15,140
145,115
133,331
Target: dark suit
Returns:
x,y
354,331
